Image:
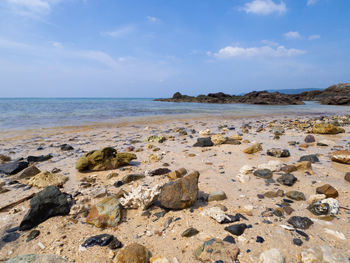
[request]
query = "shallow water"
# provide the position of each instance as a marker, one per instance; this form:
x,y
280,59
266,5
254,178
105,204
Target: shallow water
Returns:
x,y
29,113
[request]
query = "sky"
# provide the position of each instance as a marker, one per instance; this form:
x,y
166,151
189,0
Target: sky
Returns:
x,y
154,48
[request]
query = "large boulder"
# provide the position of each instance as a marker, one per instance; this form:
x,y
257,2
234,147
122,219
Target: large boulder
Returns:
x,y
107,213
341,157
37,258
104,159
133,253
47,203
216,250
324,128
181,193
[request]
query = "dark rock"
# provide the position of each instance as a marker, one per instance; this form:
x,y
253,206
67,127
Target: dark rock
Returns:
x,y
32,235
279,153
45,204
203,142
309,139
303,234
41,158
318,208
160,171
297,242
237,229
287,179
296,195
99,240
190,232
259,239
132,177
13,167
300,222
10,237
311,158
66,147
28,172
230,239
263,173
118,184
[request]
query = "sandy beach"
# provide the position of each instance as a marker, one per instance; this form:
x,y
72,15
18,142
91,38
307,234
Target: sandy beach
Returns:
x,y
220,170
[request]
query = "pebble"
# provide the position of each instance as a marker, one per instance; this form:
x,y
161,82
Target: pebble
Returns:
x,y
217,196
327,190
264,173
190,232
297,242
230,239
311,158
296,195
347,177
287,179
32,235
259,239
309,139
300,222
237,229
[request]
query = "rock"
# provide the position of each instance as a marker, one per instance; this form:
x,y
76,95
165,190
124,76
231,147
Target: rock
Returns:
x,y
132,177
327,190
142,196
237,229
246,169
311,158
309,139
181,193
156,138
32,235
264,173
13,167
159,259
236,137
243,178
279,153
278,130
270,194
274,166
218,139
28,172
104,159
217,196
98,192
179,173
253,149
66,147
271,256
347,177
10,237
36,258
296,195
341,157
159,171
216,250
289,168
328,206
133,253
300,222
40,158
217,214
107,213
287,179
315,198
323,128
297,241
47,203
203,142
303,165
190,232
205,132
155,157
323,254
102,241
4,158
46,178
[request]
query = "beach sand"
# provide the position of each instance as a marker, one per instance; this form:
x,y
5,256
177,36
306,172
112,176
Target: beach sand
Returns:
x,y
218,167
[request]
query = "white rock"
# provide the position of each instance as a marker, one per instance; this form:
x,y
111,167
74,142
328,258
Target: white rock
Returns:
x,y
205,132
334,233
246,169
142,196
333,205
216,213
271,256
274,166
243,178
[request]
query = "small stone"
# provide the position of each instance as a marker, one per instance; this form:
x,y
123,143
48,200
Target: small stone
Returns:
x,y
311,158
271,256
297,242
264,173
327,190
217,196
216,250
341,157
230,239
309,139
28,172
101,240
304,165
259,239
203,142
300,222
279,153
237,229
133,253
118,184
190,232
10,237
289,168
287,179
270,194
132,177
179,173
322,254
218,139
159,171
296,195
32,235
253,149
66,147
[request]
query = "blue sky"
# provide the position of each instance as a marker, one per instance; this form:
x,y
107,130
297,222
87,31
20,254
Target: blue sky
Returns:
x,y
153,48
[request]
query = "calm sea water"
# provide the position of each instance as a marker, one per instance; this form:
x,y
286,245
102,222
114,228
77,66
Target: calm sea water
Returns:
x,y
28,113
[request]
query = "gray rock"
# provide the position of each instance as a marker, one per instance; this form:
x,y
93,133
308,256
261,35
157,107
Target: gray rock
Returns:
x,y
203,142
279,153
217,196
190,232
300,222
28,172
287,179
271,256
311,158
13,167
132,177
296,195
263,173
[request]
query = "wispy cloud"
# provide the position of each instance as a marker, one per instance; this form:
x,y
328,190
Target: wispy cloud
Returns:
x,y
153,19
264,7
120,32
313,37
292,35
311,2
264,51
31,8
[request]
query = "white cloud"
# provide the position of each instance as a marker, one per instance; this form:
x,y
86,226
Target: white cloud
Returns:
x,y
31,8
270,43
313,37
292,35
120,32
265,7
264,51
311,2
153,19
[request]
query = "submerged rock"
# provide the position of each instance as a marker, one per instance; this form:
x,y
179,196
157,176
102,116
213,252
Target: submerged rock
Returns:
x,y
216,250
104,159
133,253
181,193
45,204
107,213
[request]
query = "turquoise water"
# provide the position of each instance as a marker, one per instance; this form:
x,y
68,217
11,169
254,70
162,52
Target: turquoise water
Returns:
x,y
28,113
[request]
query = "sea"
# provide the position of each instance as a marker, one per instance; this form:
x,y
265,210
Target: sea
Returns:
x,y
34,113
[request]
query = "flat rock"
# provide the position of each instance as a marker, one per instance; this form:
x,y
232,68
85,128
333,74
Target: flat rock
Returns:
x,y
44,179
300,222
271,256
287,179
28,172
181,193
237,229
107,213
296,195
47,203
36,258
327,190
190,232
311,158
13,167
133,253
40,158
216,250
341,157
263,173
